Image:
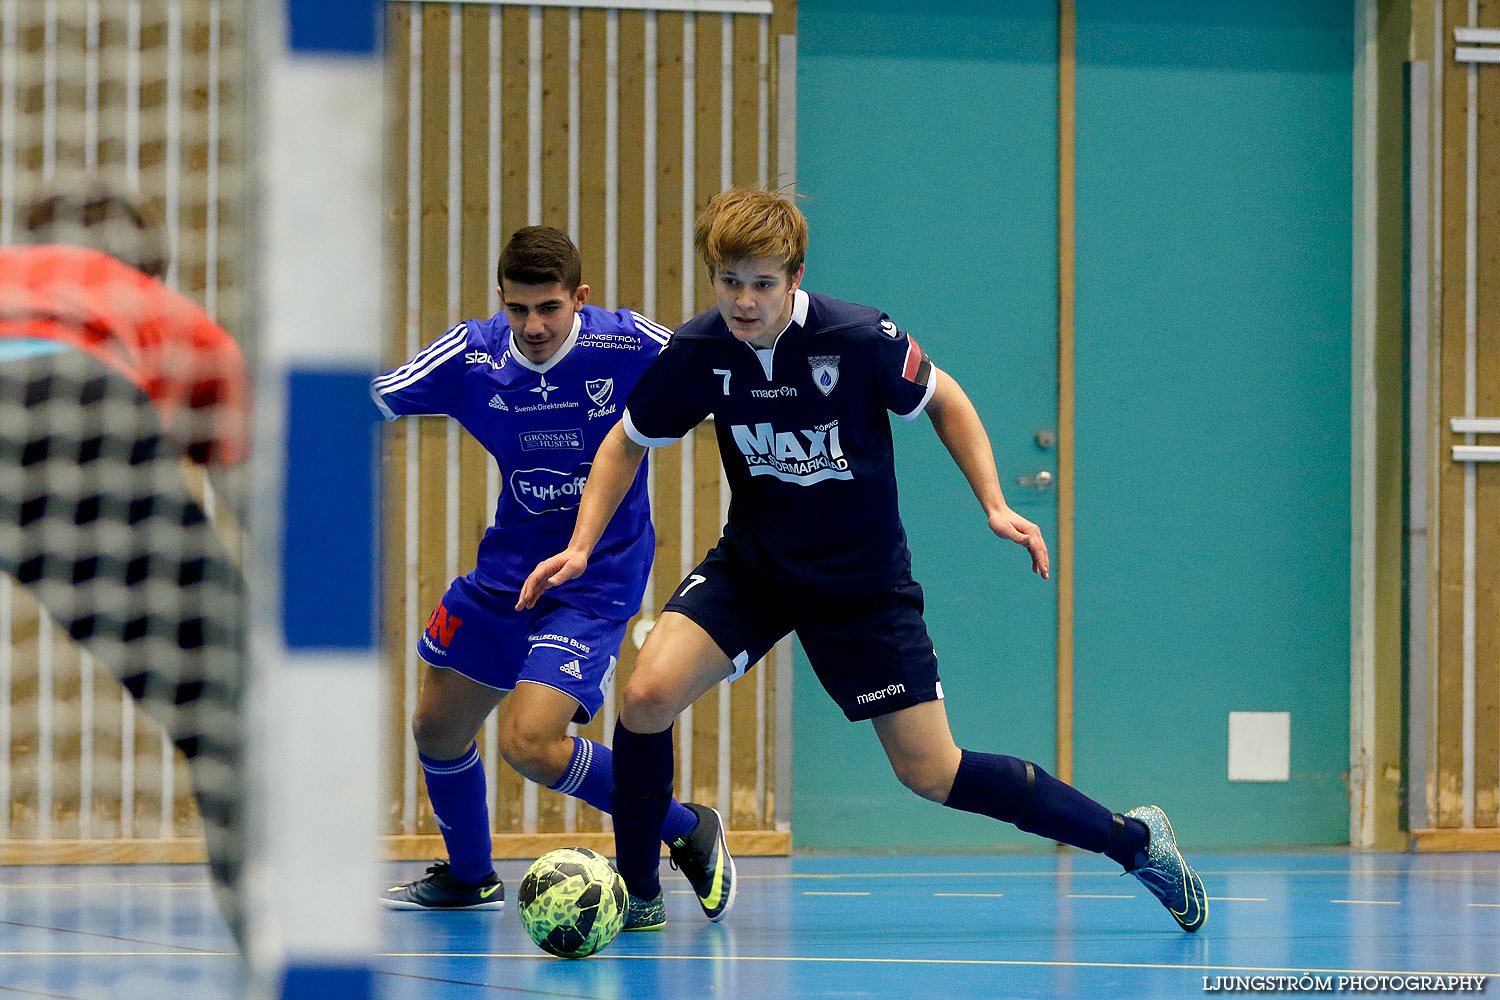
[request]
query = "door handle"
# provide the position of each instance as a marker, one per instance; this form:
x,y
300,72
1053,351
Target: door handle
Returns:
x,y
1039,482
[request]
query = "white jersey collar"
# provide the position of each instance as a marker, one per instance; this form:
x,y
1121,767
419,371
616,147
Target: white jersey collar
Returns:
x,y
562,352
765,355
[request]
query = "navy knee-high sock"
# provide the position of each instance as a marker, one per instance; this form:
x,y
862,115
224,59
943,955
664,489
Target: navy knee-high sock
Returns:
x,y
1017,791
591,777
642,795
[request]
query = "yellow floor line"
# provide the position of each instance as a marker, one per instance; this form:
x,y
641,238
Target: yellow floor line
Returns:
x,y
948,961
539,956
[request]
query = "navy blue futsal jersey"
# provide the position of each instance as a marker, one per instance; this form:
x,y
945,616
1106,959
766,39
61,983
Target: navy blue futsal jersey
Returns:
x,y
804,435
543,423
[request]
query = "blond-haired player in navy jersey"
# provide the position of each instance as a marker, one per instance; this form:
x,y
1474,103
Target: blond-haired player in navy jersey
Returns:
x,y
800,386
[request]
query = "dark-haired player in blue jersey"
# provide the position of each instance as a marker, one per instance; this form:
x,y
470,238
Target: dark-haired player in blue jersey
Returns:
x,y
539,385
799,386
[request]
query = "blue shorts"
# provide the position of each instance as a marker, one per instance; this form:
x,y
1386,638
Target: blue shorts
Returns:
x,y
479,633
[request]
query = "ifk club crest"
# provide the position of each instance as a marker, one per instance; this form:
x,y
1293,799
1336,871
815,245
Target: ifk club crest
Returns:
x,y
600,389
825,372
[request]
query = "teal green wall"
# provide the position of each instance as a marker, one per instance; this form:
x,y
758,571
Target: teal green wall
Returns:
x,y
926,151
1213,350
1212,557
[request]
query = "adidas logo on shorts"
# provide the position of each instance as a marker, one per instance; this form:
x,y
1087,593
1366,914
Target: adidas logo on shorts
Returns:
x,y
497,403
572,669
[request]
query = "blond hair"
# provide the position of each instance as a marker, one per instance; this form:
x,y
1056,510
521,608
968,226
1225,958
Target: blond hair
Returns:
x,y
750,224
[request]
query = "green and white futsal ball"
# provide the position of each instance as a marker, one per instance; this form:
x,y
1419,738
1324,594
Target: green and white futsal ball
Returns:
x,y
572,902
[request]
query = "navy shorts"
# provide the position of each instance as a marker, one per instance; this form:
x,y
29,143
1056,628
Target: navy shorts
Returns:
x,y
479,633
871,653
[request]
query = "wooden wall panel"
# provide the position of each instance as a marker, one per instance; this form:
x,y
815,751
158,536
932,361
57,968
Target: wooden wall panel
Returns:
x,y
671,310
506,812
555,124
632,227
593,83
705,180
1449,764
655,202
476,280
393,632
1468,503
1487,474
748,745
433,319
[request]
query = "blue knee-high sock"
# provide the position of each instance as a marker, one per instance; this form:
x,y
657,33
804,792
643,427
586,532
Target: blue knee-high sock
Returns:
x,y
643,790
1017,791
456,789
590,777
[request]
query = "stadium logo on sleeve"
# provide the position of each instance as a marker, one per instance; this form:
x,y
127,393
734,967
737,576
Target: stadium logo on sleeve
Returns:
x,y
571,439
542,491
484,358
825,371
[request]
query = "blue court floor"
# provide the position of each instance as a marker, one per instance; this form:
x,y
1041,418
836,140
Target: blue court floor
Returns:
x,y
1008,925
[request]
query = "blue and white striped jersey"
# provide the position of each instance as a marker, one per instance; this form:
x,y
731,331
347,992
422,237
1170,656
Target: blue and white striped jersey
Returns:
x,y
543,423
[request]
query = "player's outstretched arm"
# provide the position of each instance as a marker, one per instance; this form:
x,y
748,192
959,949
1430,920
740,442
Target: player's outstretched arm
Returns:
x,y
609,480
959,428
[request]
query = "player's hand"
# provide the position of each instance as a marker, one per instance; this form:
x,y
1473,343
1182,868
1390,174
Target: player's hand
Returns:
x,y
561,568
1008,524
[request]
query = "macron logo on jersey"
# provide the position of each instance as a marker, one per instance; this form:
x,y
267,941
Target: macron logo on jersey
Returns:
x,y
801,457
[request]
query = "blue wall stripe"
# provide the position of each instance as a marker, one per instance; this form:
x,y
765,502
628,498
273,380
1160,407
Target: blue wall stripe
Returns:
x,y
328,531
347,26
328,982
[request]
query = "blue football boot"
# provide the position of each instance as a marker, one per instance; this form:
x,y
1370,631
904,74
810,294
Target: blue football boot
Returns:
x,y
703,856
645,914
1162,869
